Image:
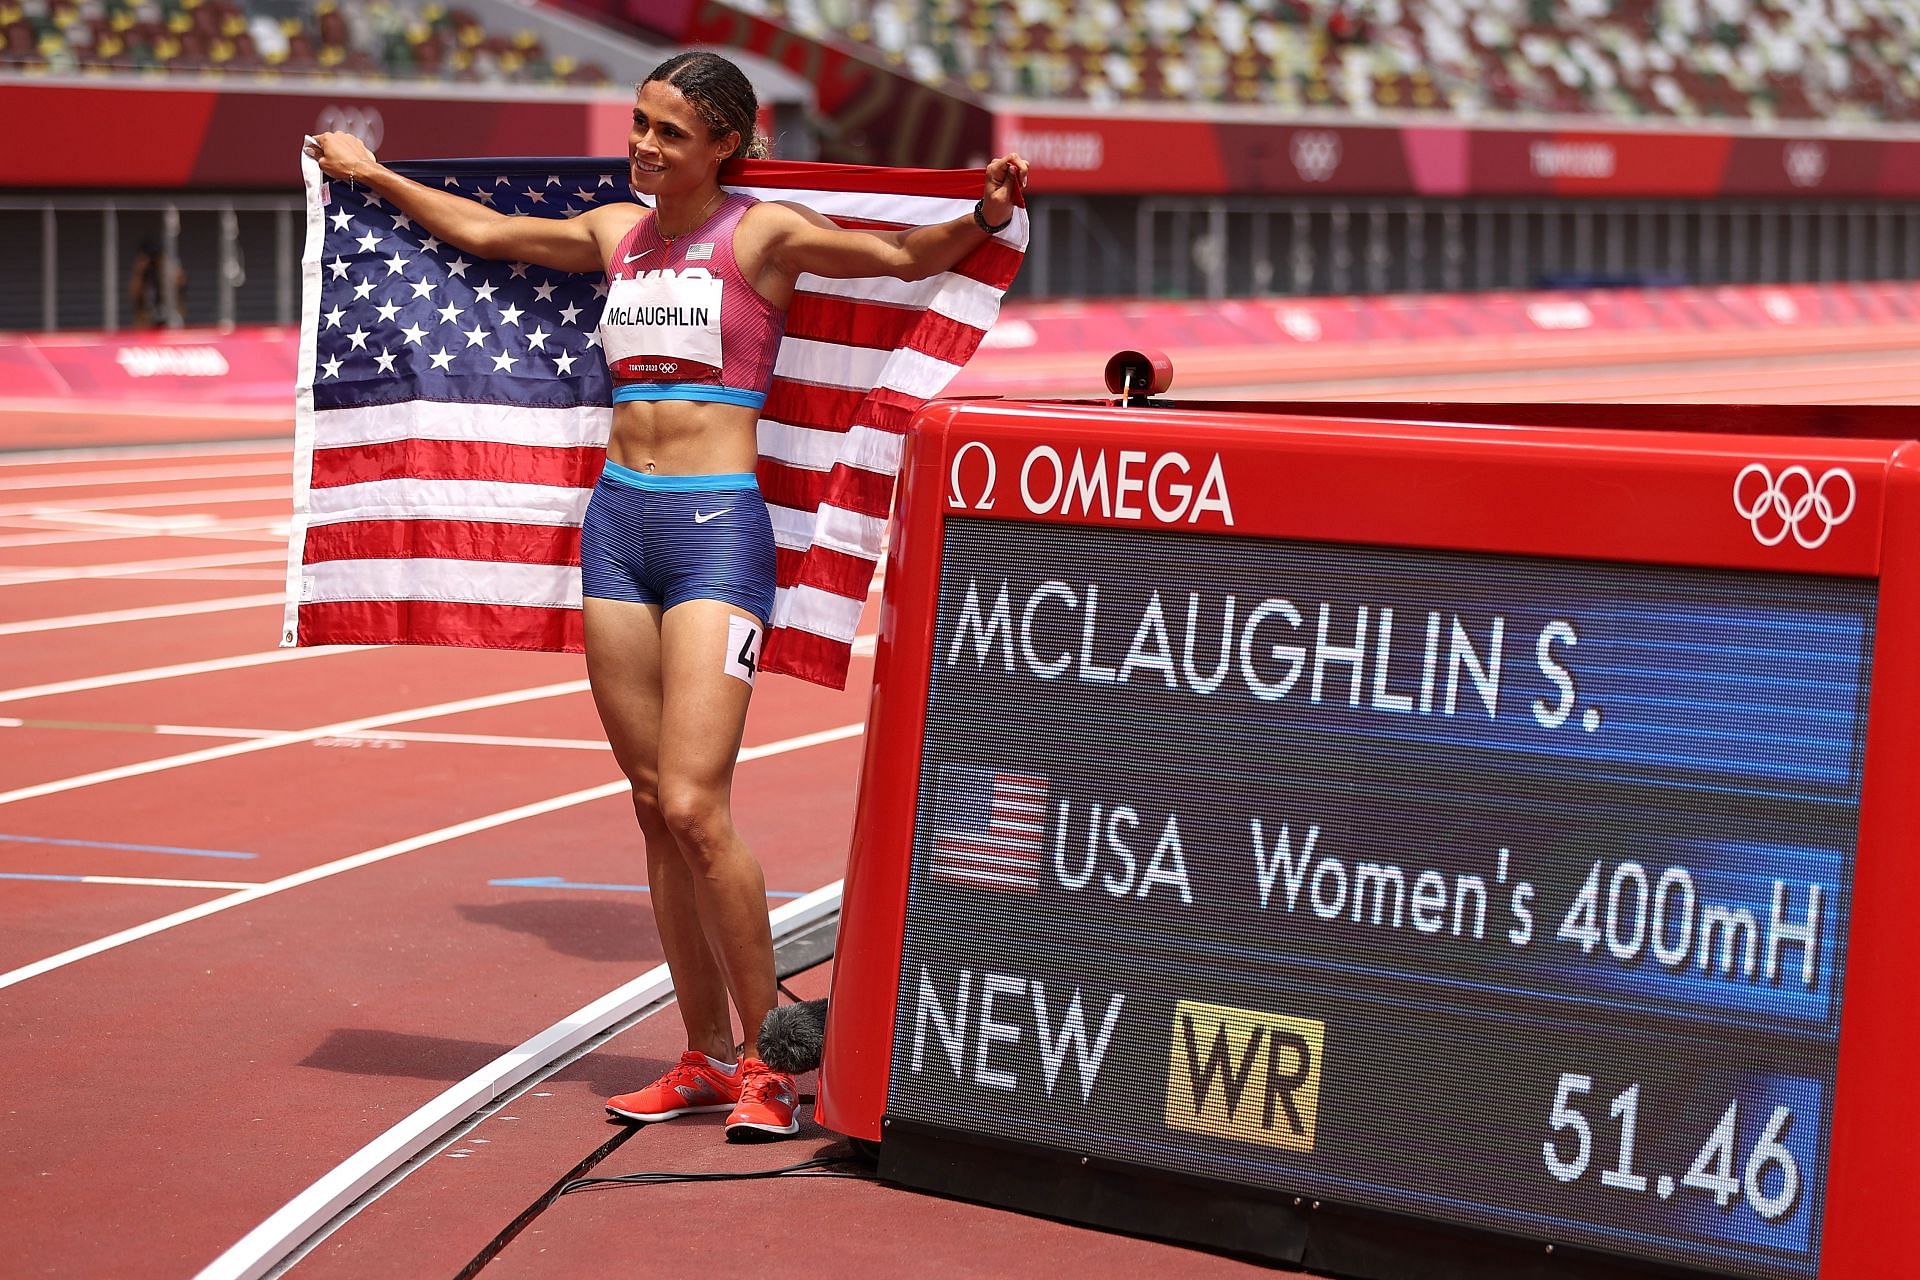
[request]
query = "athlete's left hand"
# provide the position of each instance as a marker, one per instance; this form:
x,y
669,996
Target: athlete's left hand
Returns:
x,y
1006,175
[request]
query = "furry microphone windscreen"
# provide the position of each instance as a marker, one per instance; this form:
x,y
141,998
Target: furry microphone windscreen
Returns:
x,y
792,1036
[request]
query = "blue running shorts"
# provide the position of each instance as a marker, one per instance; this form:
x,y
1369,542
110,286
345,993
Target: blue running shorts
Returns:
x,y
665,539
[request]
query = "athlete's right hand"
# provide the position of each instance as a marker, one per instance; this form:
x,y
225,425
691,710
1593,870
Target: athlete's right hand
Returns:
x,y
341,155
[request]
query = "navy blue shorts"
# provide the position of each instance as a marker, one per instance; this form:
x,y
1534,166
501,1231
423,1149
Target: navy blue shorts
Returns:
x,y
664,539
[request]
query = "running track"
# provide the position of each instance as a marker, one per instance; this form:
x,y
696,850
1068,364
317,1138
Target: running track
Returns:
x,y
259,904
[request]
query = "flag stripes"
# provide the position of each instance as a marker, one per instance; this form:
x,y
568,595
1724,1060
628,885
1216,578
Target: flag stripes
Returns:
x,y
452,412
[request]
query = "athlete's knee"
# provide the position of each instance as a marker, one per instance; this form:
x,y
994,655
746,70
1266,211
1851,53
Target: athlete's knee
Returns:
x,y
699,821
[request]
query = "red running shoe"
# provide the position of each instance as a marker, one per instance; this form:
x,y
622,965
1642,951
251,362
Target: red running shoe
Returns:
x,y
689,1089
765,1110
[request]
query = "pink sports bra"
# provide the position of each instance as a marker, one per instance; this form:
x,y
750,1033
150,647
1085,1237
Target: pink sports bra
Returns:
x,y
682,322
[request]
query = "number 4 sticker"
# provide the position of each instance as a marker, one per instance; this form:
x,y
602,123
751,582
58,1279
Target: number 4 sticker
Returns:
x,y
743,648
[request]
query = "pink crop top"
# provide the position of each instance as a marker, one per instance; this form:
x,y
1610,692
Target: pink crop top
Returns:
x,y
682,322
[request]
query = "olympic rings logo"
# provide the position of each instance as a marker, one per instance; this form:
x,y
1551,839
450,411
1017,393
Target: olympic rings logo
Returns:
x,y
1794,502
364,123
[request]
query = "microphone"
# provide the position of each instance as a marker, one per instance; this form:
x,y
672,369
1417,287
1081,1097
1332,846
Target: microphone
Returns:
x,y
793,1035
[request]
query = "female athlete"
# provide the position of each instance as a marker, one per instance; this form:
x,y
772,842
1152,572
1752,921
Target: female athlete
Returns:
x,y
677,551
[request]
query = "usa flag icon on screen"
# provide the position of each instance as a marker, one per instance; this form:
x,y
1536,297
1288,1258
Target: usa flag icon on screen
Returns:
x,y
988,827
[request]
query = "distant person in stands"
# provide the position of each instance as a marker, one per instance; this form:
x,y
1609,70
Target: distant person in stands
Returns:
x,y
147,289
677,549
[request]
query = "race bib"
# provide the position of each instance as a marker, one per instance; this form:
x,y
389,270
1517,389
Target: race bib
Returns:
x,y
663,327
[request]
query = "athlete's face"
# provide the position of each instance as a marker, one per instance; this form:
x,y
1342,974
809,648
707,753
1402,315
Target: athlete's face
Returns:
x,y
669,147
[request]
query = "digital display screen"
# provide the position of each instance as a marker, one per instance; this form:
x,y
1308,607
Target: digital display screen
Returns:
x,y
1505,892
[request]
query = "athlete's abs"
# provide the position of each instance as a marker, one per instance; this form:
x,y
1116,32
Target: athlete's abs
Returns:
x,y
684,437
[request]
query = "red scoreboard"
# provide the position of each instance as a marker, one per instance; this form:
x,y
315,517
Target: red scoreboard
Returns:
x,y
1478,833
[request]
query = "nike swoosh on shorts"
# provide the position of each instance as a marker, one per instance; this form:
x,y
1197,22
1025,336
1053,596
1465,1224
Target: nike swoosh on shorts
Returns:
x,y
701,517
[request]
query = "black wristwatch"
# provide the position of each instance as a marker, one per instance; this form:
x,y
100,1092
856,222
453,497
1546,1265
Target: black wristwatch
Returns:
x,y
980,218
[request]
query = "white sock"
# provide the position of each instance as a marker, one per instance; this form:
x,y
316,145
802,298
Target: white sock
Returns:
x,y
724,1068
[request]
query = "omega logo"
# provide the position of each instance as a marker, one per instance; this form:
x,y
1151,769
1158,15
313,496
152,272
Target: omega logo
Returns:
x,y
956,487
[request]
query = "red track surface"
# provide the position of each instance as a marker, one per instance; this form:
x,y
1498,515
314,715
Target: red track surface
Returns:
x,y
166,1095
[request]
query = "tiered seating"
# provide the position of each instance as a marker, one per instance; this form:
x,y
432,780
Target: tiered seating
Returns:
x,y
375,39
1762,59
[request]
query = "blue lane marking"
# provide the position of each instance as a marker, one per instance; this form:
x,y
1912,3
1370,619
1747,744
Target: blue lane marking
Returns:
x,y
137,848
561,882
28,875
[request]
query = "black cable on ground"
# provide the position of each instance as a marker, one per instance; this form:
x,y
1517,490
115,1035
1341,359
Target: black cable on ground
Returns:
x,y
845,1165
534,1210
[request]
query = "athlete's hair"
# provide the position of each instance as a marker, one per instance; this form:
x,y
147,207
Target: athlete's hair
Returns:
x,y
720,95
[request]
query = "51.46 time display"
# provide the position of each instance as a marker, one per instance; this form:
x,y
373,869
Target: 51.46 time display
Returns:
x,y
1766,1172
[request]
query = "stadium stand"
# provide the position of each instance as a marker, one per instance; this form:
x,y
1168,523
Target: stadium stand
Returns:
x,y
378,39
1833,60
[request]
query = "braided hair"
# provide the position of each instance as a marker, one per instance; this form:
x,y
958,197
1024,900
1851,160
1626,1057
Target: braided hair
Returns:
x,y
719,93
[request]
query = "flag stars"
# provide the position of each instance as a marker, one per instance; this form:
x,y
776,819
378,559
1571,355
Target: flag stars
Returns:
x,y
563,363
450,181
537,340
535,197
583,195
359,338
544,292
568,314
413,333
599,288
330,368
339,268
397,264
401,222
593,339
503,363
483,196
385,361
430,244
449,314
553,179
368,242
510,315
458,267
606,180
519,270
334,317
476,336
424,288
387,311
442,359
340,219
486,291
362,291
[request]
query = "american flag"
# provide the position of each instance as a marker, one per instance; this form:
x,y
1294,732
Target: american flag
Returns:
x,y
452,412
988,829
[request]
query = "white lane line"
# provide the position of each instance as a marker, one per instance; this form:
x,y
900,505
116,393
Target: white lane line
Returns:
x,y
128,452
134,880
146,674
71,620
294,1223
151,409
376,737
128,502
133,568
143,475
140,769
353,862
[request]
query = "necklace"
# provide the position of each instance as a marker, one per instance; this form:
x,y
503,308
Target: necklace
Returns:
x,y
697,220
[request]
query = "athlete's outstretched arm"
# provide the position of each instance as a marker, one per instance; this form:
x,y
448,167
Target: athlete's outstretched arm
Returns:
x,y
565,244
805,241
